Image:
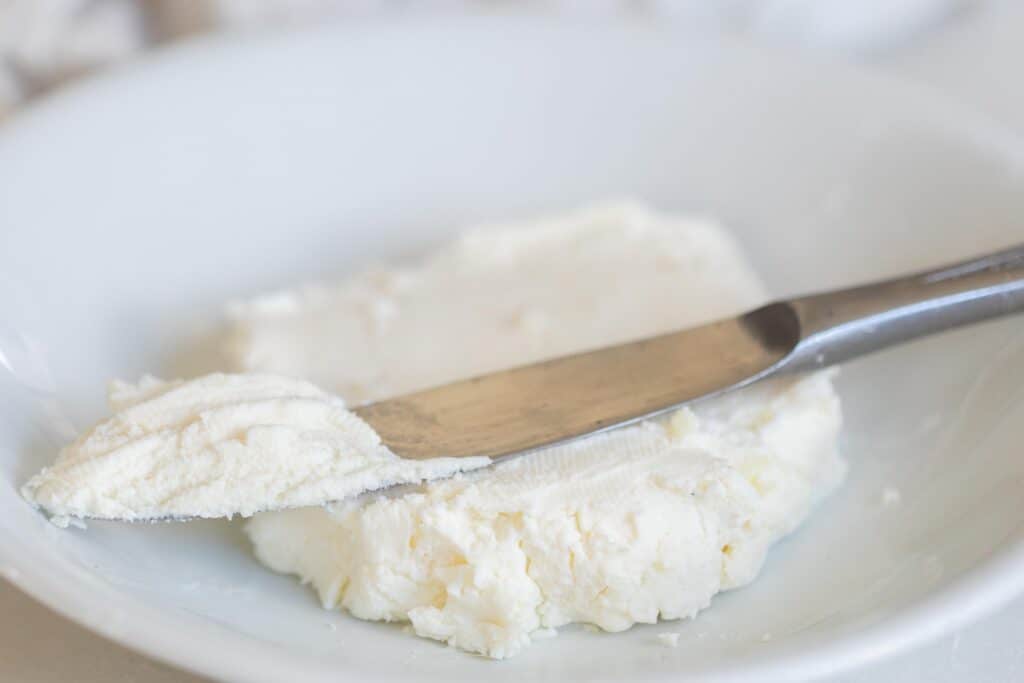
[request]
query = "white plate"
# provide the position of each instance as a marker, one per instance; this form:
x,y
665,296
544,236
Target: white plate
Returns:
x,y
133,205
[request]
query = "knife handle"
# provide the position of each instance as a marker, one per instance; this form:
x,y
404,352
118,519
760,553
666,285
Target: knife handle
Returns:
x,y
843,324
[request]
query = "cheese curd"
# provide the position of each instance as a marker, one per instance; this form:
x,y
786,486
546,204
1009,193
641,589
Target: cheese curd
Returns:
x,y
643,523
218,446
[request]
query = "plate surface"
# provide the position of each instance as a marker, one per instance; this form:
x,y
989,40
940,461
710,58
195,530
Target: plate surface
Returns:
x,y
132,206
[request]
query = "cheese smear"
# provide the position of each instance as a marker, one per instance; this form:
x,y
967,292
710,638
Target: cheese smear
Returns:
x,y
218,446
643,523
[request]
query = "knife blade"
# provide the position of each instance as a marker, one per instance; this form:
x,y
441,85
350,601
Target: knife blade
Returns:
x,y
522,409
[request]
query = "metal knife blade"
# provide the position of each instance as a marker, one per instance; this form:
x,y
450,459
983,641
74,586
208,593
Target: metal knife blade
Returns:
x,y
537,405
525,408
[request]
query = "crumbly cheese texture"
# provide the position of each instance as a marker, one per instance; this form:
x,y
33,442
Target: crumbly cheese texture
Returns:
x,y
639,524
642,523
218,446
499,296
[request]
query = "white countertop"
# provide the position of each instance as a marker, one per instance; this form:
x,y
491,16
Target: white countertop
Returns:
x,y
976,59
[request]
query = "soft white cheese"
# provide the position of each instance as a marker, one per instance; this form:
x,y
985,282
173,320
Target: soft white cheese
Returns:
x,y
218,446
498,297
627,527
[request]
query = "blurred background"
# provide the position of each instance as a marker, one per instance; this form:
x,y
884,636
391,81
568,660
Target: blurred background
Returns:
x,y
969,50
45,43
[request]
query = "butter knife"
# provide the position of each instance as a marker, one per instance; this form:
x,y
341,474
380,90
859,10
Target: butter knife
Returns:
x,y
529,407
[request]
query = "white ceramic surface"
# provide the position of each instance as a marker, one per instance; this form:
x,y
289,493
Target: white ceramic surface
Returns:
x,y
131,207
